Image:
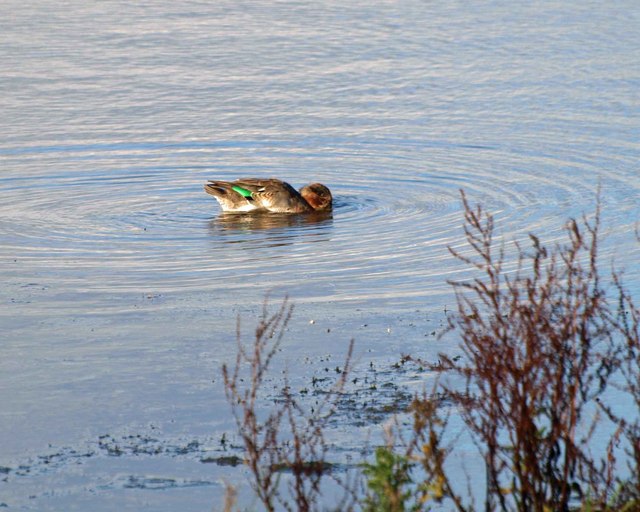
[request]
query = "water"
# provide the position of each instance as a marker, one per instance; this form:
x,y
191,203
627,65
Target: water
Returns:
x,y
121,280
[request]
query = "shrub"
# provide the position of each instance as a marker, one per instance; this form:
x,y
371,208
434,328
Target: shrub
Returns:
x,y
542,341
290,439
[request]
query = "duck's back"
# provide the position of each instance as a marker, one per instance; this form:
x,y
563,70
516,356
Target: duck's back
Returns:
x,y
254,194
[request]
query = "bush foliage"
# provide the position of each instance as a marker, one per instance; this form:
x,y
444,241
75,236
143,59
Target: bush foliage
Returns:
x,y
544,336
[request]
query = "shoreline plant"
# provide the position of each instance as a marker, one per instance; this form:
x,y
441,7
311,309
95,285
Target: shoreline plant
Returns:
x,y
287,444
544,335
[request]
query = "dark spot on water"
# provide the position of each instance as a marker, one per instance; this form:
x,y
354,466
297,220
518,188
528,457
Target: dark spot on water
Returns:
x,y
159,483
191,447
136,482
310,467
223,460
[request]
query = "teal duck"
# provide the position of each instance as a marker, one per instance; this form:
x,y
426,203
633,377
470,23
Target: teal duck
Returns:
x,y
269,195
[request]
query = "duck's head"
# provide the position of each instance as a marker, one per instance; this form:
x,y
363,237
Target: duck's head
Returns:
x,y
318,196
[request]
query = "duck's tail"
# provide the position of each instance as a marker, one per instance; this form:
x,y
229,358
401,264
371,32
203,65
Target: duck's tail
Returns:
x,y
218,188
231,197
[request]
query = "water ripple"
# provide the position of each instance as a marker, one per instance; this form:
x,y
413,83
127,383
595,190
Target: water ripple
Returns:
x,y
392,221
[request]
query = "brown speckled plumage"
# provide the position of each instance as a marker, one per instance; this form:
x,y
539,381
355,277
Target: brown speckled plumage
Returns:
x,y
269,195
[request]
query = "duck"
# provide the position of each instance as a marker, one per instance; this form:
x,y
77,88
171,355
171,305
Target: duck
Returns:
x,y
269,195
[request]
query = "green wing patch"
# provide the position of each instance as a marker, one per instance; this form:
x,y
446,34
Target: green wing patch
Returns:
x,y
242,191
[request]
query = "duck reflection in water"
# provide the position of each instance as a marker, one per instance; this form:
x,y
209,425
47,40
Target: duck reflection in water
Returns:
x,y
271,229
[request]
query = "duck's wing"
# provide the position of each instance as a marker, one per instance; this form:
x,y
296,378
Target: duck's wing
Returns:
x,y
232,197
250,194
272,194
260,186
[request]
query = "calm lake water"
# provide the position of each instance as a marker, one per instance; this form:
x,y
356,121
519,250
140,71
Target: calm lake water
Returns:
x,y
121,281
